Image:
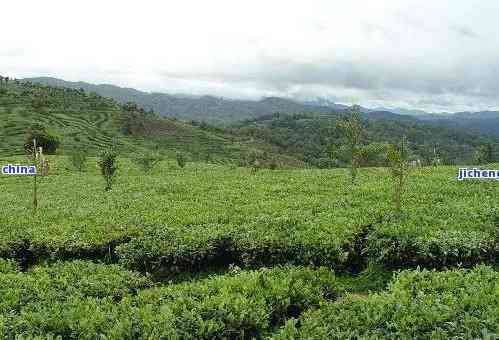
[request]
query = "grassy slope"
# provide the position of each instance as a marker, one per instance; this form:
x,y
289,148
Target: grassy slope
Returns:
x,y
88,120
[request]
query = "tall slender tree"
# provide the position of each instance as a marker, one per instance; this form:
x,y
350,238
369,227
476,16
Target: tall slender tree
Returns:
x,y
398,156
352,128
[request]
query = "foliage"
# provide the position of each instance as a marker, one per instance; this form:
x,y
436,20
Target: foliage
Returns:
x,y
181,160
208,219
287,216
108,166
254,160
40,102
147,161
484,154
273,165
373,154
44,138
225,111
421,304
79,299
79,158
134,121
8,266
314,137
352,128
206,226
398,162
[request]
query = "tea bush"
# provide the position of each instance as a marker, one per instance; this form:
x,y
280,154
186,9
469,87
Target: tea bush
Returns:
x,y
74,301
421,304
206,213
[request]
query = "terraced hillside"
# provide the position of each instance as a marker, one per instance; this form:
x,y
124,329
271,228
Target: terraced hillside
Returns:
x,y
88,120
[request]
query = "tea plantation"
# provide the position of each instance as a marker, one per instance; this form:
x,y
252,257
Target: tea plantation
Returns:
x,y
212,251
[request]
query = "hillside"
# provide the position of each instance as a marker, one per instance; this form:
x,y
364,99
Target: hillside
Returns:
x,y
205,108
481,122
314,138
484,122
310,138
93,122
223,111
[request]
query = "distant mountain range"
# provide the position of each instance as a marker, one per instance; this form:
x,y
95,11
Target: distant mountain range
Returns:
x,y
223,111
203,108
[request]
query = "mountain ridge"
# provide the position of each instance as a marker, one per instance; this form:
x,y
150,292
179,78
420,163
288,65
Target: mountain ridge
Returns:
x,y
224,111
206,108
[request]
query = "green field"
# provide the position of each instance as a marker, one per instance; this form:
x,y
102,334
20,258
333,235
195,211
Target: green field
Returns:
x,y
210,230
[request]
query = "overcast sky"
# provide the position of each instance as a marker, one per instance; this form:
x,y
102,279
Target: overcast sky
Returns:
x,y
432,55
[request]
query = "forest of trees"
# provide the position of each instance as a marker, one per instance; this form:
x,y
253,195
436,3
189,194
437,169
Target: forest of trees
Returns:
x,y
319,140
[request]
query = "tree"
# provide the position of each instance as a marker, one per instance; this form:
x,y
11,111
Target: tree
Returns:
x,y
130,107
484,154
38,160
373,154
108,166
398,156
352,129
40,101
46,139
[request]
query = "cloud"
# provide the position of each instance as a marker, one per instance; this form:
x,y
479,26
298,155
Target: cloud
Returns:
x,y
438,56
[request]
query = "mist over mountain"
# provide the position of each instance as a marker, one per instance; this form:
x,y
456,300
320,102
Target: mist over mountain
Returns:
x,y
484,122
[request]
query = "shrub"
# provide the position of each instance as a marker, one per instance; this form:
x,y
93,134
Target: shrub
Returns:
x,y
484,154
324,163
165,250
48,140
78,159
273,165
108,166
457,304
146,161
85,300
181,160
40,101
8,266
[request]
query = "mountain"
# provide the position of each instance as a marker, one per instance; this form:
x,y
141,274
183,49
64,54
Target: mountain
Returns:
x,y
86,120
317,140
402,111
324,102
222,111
204,108
482,122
